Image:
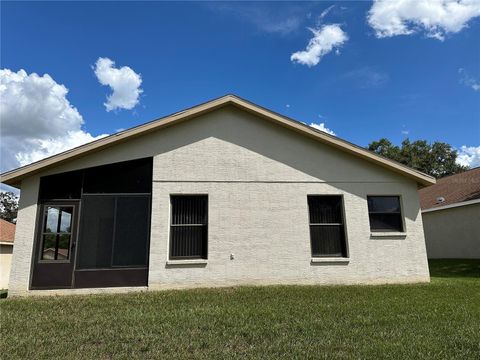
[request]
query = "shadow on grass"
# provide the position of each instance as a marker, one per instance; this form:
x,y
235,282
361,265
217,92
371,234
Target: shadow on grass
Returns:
x,y
458,268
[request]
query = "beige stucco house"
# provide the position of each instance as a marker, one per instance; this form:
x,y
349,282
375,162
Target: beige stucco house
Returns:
x,y
7,236
224,193
451,216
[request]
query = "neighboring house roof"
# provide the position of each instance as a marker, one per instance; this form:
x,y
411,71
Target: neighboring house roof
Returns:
x,y
15,177
62,253
7,232
453,189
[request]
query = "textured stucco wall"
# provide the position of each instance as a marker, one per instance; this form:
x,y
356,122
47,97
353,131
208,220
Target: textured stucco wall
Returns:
x,y
5,263
24,237
257,176
453,233
265,226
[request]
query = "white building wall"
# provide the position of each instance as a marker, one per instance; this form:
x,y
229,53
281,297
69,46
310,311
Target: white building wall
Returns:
x,y
24,237
257,176
5,263
453,233
265,226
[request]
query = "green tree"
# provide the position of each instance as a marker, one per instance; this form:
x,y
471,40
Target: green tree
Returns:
x,y
437,159
8,206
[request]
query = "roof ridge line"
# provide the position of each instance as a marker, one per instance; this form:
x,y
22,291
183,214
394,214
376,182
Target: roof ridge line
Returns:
x,y
14,177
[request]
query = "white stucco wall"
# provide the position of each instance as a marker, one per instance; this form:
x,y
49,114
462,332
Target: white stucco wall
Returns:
x,y
453,233
257,176
5,263
24,237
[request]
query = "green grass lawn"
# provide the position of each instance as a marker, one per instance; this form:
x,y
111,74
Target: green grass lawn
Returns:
x,y
440,320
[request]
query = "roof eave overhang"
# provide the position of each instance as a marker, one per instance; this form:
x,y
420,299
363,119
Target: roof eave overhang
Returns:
x,y
15,177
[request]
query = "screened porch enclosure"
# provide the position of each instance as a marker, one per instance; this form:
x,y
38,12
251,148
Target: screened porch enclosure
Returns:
x,y
94,227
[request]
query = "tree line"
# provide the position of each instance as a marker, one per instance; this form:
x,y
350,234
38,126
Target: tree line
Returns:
x,y
437,159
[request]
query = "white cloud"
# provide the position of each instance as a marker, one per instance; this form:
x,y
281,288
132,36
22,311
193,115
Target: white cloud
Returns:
x,y
35,106
468,80
282,19
48,147
367,77
124,82
326,11
281,26
322,127
436,18
469,156
324,41
37,119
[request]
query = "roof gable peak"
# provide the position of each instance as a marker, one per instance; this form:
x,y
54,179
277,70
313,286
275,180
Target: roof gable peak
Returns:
x,y
14,177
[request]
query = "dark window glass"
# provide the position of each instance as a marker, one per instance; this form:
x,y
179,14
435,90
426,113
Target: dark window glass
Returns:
x,y
63,246
114,231
61,186
385,213
48,249
125,177
56,232
188,230
383,204
325,209
327,232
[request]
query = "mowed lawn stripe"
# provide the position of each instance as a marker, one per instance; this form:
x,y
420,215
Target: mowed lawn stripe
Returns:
x,y
440,320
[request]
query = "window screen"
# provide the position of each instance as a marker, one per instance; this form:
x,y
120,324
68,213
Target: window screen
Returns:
x,y
188,230
125,177
132,231
327,232
114,231
385,213
61,186
96,232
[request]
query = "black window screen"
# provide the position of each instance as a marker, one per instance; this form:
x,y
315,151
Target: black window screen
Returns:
x,y
327,232
61,186
131,230
126,177
96,232
114,231
129,177
385,213
189,227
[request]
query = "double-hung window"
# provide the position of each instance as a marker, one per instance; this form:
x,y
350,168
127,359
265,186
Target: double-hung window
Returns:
x,y
327,229
189,226
385,214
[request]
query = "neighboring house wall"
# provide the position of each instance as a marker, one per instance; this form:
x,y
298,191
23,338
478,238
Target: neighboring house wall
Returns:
x,y
5,263
453,232
257,176
7,235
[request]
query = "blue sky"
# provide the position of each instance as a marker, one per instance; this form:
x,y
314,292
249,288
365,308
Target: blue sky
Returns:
x,y
365,88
